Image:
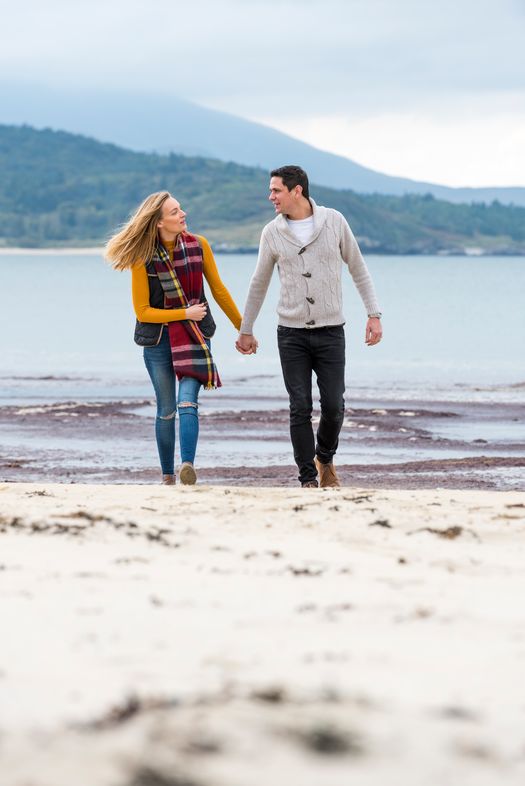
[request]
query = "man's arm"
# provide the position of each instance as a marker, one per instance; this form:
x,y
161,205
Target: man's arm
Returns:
x,y
246,343
363,281
358,269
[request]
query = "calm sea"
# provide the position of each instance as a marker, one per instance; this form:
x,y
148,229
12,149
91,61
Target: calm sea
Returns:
x,y
454,329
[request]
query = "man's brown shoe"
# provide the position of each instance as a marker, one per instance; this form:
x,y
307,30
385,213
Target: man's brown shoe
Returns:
x,y
327,475
168,480
310,484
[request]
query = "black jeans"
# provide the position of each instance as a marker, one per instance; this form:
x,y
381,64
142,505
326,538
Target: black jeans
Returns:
x,y
303,351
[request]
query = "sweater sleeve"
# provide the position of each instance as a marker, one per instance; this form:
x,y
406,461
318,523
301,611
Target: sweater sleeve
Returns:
x,y
140,293
220,294
357,267
258,285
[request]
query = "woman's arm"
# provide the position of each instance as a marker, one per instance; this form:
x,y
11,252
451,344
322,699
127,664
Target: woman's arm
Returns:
x,y
143,310
218,290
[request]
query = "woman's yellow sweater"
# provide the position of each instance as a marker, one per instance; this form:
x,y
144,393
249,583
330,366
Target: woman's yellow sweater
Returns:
x,y
140,291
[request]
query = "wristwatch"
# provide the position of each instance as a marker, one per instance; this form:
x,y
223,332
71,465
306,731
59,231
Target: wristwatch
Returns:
x,y
377,314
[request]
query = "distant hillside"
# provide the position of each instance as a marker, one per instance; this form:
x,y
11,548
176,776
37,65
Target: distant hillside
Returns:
x,y
154,123
60,189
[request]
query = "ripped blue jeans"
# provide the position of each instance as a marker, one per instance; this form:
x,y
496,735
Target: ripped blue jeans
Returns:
x,y
160,369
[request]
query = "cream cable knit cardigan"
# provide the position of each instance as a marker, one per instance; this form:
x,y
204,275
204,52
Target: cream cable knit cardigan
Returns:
x,y
310,275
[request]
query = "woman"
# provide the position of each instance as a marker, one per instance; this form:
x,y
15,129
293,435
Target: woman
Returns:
x,y
173,324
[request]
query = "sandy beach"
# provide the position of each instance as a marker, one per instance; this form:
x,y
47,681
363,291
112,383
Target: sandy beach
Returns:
x,y
220,636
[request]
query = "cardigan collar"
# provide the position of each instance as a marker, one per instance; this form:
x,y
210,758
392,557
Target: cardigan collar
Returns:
x,y
319,217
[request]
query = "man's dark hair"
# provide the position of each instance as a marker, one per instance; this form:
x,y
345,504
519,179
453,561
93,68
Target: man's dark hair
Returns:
x,y
293,176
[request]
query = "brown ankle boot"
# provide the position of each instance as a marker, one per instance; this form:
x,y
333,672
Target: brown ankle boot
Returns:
x,y
168,480
327,475
187,474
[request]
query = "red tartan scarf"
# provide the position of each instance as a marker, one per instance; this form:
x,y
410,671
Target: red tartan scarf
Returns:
x,y
181,280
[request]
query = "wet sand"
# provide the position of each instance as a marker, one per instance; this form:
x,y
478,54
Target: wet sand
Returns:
x,y
410,445
210,636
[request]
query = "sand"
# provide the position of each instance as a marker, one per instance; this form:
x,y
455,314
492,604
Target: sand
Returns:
x,y
213,636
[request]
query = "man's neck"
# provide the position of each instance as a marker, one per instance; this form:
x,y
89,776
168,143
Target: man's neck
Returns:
x,y
302,210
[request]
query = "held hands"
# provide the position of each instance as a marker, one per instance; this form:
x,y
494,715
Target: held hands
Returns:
x,y
246,344
196,312
373,332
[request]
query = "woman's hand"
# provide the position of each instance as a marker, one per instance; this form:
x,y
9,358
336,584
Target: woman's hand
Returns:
x,y
196,312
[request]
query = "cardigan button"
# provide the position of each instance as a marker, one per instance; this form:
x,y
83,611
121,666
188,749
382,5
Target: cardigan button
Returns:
x,y
311,322
307,275
310,300
302,250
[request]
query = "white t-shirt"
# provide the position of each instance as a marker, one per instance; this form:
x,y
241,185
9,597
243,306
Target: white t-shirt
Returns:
x,y
302,228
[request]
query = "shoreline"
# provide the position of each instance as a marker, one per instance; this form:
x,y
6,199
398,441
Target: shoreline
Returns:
x,y
426,445
219,248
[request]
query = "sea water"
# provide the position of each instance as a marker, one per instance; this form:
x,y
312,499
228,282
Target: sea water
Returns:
x,y
454,328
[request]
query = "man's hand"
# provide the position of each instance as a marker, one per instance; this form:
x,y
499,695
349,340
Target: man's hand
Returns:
x,y
196,312
374,331
246,344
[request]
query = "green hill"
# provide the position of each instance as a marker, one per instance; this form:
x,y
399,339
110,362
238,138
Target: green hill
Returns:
x,y
59,189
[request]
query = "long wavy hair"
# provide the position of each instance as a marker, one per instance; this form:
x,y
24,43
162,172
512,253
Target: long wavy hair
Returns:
x,y
135,242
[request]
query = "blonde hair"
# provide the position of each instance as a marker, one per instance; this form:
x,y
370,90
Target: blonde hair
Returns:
x,y
135,242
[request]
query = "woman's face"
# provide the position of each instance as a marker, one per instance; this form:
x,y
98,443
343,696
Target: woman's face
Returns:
x,y
173,218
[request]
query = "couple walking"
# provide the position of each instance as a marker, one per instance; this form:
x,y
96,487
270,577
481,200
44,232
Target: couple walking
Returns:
x,y
309,244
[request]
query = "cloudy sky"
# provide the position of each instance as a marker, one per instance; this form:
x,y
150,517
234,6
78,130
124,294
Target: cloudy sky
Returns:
x,y
429,90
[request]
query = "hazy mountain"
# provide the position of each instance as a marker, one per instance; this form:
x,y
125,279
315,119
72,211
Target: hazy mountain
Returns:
x,y
154,123
58,188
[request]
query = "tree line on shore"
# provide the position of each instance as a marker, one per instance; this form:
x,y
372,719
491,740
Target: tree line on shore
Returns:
x,y
62,189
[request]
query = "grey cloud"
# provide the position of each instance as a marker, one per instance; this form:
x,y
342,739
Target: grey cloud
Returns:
x,y
303,56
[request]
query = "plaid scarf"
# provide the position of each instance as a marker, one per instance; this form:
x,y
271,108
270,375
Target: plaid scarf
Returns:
x,y
181,281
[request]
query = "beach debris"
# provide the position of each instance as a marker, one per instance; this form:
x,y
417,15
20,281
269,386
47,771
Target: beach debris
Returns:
x,y
305,571
146,776
305,607
449,533
326,739
131,706
273,694
454,712
402,560
475,750
42,493
515,505
203,744
82,514
380,523
423,613
359,498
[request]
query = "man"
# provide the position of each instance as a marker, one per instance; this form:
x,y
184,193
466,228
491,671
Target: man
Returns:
x,y
309,243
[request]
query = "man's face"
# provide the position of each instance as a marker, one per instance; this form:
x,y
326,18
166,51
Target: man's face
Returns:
x,y
281,198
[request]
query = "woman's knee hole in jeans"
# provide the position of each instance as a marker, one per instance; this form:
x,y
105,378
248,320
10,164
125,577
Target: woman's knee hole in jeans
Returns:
x,y
190,406
170,416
